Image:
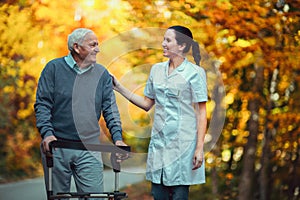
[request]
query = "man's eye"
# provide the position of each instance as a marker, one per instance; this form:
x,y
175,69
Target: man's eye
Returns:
x,y
93,45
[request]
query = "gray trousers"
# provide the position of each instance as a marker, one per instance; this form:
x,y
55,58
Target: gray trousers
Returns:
x,y
86,168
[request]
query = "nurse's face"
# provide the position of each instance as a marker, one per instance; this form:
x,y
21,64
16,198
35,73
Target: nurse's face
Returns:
x,y
170,47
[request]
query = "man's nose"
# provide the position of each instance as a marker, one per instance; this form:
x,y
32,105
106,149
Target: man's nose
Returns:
x,y
97,49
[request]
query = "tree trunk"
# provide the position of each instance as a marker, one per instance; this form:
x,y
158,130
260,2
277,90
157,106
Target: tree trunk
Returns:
x,y
264,174
215,129
214,181
246,180
264,181
248,172
293,191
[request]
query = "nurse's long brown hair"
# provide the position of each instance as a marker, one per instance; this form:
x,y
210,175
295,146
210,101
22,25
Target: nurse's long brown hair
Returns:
x,y
184,35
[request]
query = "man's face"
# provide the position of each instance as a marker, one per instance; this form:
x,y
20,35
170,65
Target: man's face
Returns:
x,y
88,49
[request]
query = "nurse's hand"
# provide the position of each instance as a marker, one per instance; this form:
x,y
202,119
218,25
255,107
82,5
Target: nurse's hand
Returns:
x,y
116,83
197,159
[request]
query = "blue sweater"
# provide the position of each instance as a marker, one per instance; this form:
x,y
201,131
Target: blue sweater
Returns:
x,y
69,105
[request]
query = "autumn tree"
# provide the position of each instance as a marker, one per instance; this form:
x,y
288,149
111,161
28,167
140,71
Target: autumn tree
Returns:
x,y
32,33
18,136
256,40
272,45
253,45
257,43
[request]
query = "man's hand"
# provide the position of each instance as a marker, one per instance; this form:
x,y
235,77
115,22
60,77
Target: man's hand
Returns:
x,y
121,156
46,141
120,143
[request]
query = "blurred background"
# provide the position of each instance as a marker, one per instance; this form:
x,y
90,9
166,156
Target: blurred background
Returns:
x,y
250,50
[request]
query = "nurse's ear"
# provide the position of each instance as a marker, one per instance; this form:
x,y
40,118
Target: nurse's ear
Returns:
x,y
182,46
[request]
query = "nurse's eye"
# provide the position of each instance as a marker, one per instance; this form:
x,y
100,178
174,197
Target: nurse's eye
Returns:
x,y
167,40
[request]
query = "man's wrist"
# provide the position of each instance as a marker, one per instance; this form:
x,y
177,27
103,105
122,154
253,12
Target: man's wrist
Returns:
x,y
47,134
117,136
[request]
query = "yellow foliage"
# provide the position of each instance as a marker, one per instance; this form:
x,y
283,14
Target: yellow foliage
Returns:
x,y
229,99
246,60
226,155
270,41
19,153
244,43
231,39
9,89
210,106
23,114
232,31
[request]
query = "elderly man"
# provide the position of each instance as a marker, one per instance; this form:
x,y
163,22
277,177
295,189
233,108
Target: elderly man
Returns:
x,y
73,91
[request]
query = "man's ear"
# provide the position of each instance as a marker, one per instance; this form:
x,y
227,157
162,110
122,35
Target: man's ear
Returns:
x,y
76,47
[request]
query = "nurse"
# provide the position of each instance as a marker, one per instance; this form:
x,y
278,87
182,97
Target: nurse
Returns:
x,y
178,90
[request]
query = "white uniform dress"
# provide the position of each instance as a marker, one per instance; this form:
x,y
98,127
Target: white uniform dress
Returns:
x,y
174,131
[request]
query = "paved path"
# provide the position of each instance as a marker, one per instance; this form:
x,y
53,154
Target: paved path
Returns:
x,y
34,189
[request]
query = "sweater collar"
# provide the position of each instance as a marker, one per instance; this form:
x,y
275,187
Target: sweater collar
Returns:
x,y
73,65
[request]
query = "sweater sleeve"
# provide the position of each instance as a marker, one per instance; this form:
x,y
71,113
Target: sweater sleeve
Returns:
x,y
44,102
110,110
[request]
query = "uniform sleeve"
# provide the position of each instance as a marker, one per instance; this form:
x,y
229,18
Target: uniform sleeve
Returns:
x,y
110,110
149,91
44,102
199,86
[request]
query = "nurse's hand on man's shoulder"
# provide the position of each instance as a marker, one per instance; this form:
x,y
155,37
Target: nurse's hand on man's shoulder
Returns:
x,y
116,83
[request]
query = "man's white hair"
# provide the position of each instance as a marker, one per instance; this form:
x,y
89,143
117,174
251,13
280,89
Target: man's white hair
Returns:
x,y
77,36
